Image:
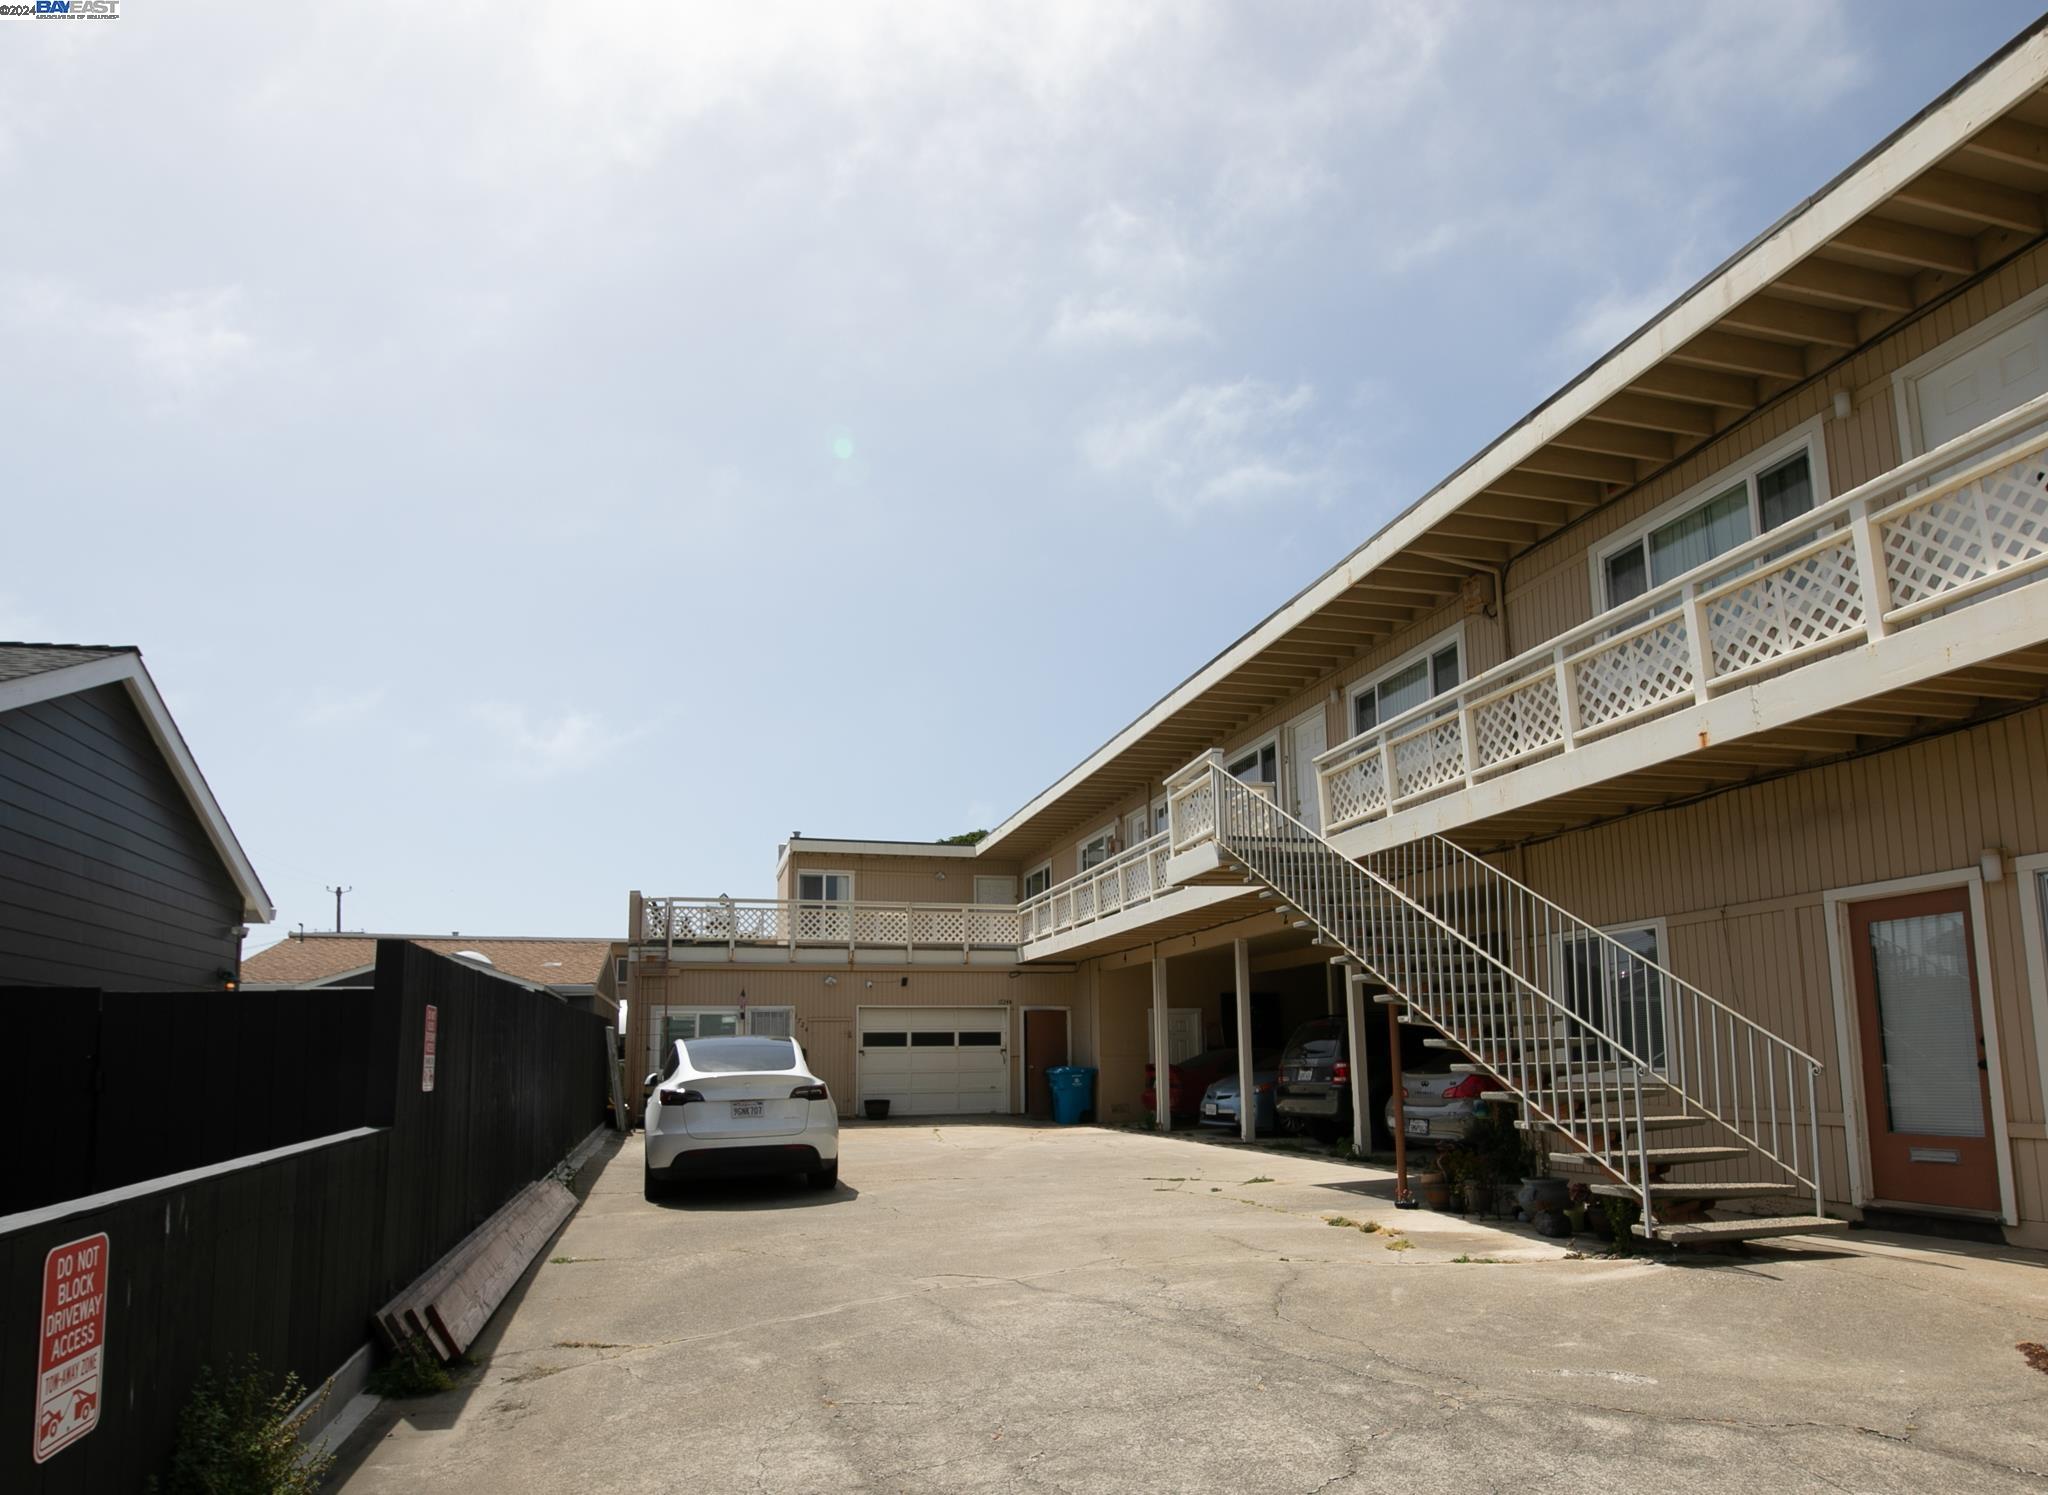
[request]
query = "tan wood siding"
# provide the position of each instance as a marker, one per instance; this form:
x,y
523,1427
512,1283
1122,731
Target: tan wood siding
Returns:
x,y
900,879
1739,879
825,1014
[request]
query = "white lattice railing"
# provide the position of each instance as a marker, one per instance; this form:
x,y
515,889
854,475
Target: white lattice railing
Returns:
x,y
1133,876
1852,571
730,923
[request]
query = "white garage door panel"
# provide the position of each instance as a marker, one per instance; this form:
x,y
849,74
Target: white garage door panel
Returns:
x,y
936,1079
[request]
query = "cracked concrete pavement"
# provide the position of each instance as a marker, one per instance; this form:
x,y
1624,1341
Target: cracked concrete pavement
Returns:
x,y
1005,1306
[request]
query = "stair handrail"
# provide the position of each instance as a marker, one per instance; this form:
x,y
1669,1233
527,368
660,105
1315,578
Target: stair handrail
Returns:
x,y
1232,813
1236,806
1682,1066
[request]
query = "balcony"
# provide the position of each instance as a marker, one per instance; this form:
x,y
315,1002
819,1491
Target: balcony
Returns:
x,y
780,931
1131,877
1920,572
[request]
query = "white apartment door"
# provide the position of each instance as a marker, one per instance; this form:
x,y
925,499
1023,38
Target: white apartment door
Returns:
x,y
1986,381
1183,1033
1309,735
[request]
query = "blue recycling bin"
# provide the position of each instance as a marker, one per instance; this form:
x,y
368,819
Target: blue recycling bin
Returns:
x,y
1073,1092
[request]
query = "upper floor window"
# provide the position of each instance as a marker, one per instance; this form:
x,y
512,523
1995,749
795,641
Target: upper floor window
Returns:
x,y
1038,879
825,887
1711,520
1096,849
1426,673
1257,765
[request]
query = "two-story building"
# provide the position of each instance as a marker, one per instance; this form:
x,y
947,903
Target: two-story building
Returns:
x,y
1680,763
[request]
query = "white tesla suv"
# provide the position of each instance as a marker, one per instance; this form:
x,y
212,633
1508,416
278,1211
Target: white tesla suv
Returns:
x,y
727,1107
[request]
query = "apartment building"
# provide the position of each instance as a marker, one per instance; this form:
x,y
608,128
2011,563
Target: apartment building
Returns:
x,y
1679,763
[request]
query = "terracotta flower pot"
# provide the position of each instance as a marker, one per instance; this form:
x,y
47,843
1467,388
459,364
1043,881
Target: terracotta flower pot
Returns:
x,y
1433,1188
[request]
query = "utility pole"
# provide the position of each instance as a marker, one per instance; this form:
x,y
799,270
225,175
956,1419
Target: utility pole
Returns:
x,y
337,892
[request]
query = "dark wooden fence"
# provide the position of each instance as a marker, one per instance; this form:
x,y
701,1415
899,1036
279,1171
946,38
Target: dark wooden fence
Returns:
x,y
286,1256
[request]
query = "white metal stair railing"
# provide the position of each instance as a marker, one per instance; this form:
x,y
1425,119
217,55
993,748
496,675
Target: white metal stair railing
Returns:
x,y
1964,521
1473,953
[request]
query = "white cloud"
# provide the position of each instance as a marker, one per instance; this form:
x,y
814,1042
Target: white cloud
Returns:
x,y
1215,446
329,709
181,344
1110,322
531,746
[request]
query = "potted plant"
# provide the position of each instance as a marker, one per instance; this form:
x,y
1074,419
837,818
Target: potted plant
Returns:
x,y
1433,1186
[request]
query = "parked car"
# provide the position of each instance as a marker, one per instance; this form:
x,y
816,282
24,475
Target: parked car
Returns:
x,y
1187,1081
1219,1101
1438,1106
728,1107
1312,1085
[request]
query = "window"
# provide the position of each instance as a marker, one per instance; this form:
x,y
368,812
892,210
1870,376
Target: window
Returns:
x,y
740,1056
885,1040
1038,879
771,1022
825,887
1096,849
1259,765
1425,674
931,1040
1144,822
1621,996
981,1040
619,968
1774,489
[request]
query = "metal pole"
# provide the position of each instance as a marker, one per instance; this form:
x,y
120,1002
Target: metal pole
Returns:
x,y
1247,1091
1402,1198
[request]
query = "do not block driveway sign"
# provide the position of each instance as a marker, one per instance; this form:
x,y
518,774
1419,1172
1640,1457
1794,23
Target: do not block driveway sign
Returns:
x,y
69,1371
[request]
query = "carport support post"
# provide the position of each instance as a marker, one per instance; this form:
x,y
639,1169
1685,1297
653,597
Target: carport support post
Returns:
x,y
1361,1074
1162,1067
1401,1194
1247,1097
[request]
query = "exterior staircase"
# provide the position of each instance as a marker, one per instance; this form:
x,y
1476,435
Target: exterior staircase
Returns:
x,y
1635,1080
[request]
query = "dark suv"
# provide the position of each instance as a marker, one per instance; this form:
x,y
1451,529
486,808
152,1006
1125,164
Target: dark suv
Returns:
x,y
1313,1090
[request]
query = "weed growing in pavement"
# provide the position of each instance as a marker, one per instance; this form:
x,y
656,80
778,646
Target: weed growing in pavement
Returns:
x,y
1261,1179
233,1437
1370,1227
1491,1261
1400,1243
413,1370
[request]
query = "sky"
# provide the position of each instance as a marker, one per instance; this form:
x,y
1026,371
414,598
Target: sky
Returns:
x,y
545,451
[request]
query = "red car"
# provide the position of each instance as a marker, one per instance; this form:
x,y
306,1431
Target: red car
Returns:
x,y
1186,1082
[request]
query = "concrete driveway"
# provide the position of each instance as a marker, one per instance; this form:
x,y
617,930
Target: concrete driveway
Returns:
x,y
1006,1307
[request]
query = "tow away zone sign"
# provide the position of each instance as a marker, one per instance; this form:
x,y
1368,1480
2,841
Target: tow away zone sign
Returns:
x,y
71,1367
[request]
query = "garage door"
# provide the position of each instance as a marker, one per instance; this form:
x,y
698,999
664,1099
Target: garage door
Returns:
x,y
935,1061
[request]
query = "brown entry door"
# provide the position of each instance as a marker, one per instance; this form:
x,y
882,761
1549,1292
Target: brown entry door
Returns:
x,y
1045,1044
1926,1089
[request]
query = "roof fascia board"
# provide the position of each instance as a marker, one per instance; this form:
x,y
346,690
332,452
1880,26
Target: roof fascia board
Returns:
x,y
876,849
128,670
1920,145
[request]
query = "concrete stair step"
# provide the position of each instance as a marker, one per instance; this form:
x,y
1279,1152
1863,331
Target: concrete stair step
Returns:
x,y
1755,1190
1669,1156
1707,1232
1624,1123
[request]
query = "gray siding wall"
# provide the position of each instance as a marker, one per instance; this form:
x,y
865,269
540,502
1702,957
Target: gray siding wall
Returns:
x,y
107,877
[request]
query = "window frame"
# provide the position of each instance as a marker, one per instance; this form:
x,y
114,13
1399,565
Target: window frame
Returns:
x,y
1255,748
1025,891
1106,835
1428,650
822,900
1659,928
1807,437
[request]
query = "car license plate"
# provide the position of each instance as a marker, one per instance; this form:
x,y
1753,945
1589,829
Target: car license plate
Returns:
x,y
1419,1125
1208,1108
745,1108
1304,1075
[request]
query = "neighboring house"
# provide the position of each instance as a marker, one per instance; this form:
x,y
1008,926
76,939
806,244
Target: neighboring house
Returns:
x,y
117,868
1682,758
577,971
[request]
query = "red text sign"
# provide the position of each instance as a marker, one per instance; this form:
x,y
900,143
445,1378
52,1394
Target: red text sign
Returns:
x,y
427,1063
71,1368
